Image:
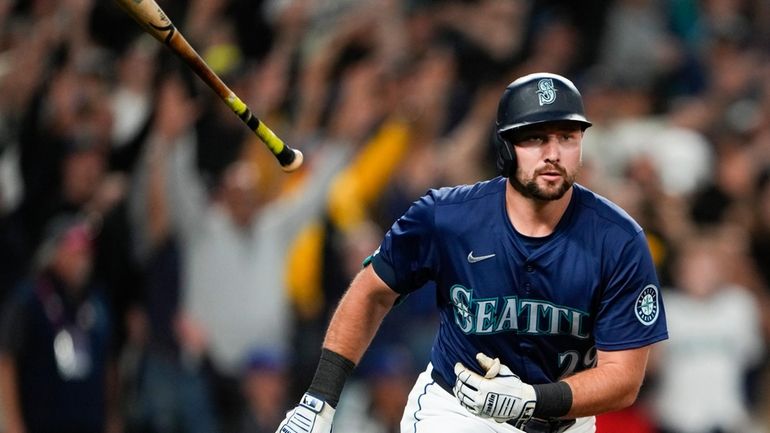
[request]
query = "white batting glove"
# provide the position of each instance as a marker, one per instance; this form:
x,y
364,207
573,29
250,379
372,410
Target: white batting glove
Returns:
x,y
499,394
312,415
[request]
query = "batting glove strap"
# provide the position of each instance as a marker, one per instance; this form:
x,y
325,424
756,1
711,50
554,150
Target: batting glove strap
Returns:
x,y
504,397
312,415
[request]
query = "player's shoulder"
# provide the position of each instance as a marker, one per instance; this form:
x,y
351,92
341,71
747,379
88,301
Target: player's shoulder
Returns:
x,y
459,194
606,211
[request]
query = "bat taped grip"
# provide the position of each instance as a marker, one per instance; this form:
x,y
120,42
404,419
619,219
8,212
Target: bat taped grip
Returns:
x,y
283,153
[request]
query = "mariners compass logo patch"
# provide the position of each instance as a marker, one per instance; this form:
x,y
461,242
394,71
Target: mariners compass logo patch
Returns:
x,y
546,91
647,305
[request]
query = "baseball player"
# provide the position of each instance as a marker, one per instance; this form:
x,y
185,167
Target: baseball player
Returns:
x,y
548,297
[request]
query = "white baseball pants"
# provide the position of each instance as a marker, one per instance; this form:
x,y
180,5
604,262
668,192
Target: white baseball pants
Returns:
x,y
431,409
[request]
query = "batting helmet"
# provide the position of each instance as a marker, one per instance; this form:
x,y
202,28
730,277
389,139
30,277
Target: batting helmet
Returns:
x,y
532,99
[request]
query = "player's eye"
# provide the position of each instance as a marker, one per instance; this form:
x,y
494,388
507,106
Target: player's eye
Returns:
x,y
539,139
569,138
532,140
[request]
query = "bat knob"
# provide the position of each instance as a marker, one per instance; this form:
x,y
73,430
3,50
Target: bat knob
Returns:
x,y
295,164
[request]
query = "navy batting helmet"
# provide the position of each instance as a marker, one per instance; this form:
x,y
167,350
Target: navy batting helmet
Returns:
x,y
532,99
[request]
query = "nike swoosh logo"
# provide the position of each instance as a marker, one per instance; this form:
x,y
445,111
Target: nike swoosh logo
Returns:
x,y
474,259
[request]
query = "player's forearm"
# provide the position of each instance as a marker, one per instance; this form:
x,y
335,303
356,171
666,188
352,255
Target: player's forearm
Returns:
x,y
359,315
599,390
350,332
612,385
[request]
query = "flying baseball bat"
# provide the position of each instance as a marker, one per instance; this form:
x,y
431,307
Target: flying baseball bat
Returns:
x,y
155,22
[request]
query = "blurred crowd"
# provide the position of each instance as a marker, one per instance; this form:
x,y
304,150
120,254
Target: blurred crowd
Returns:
x,y
159,273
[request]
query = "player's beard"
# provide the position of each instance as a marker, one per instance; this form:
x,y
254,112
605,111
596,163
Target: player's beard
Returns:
x,y
528,187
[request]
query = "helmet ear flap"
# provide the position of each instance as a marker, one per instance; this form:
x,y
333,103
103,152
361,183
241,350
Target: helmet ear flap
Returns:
x,y
506,158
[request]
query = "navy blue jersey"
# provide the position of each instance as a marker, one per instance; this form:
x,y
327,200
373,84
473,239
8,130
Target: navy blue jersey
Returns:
x,y
542,306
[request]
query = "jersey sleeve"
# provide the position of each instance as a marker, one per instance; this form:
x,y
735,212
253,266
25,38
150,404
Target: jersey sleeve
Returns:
x,y
631,312
407,257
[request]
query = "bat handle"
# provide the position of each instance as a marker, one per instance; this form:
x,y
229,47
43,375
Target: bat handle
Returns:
x,y
290,159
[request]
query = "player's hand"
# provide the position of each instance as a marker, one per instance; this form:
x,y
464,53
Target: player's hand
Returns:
x,y
312,415
499,394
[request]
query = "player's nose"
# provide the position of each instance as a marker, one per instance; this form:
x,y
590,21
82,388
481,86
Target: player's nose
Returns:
x,y
551,147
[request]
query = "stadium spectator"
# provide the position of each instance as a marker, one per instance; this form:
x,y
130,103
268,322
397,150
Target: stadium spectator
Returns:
x,y
265,385
231,243
716,330
57,366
